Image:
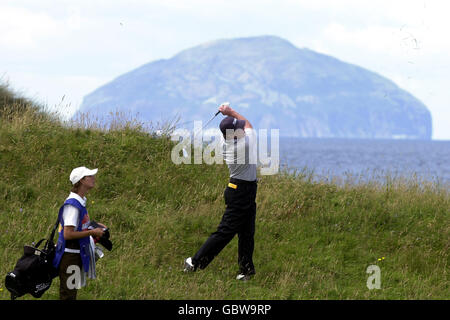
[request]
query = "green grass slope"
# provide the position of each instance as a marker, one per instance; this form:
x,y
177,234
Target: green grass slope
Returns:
x,y
313,240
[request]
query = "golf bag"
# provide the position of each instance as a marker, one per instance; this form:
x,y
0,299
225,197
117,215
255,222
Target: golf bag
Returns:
x,y
34,271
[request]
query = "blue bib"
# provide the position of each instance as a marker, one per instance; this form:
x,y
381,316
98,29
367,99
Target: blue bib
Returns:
x,y
84,242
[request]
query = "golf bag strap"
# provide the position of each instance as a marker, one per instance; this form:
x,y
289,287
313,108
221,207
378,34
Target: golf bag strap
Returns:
x,y
50,239
52,235
39,243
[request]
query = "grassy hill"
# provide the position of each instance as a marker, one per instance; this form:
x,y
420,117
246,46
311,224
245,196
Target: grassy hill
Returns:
x,y
313,240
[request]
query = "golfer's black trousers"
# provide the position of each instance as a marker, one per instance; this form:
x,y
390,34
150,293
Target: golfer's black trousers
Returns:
x,y
239,217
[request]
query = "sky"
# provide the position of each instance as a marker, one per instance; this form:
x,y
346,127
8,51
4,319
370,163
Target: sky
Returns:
x,y
58,51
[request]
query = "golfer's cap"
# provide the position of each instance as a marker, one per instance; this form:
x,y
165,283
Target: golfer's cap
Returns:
x,y
231,123
79,173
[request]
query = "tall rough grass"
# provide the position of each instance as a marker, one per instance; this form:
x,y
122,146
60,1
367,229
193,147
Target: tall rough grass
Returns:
x,y
314,240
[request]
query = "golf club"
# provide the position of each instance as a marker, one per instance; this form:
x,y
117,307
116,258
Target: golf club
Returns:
x,y
215,115
223,104
210,120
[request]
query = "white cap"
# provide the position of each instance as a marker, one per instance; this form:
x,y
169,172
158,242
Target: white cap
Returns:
x,y
79,173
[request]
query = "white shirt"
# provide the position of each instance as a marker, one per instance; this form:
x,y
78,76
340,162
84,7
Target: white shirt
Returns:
x,y
70,213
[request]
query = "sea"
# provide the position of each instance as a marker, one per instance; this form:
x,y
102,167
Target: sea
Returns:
x,y
363,160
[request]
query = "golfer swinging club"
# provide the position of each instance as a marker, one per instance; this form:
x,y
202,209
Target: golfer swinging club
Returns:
x,y
240,194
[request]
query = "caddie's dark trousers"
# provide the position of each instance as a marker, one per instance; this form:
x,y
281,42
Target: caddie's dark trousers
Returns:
x,y
239,217
67,260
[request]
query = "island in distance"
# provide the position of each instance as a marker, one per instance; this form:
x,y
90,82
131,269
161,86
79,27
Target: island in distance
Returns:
x,y
274,84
